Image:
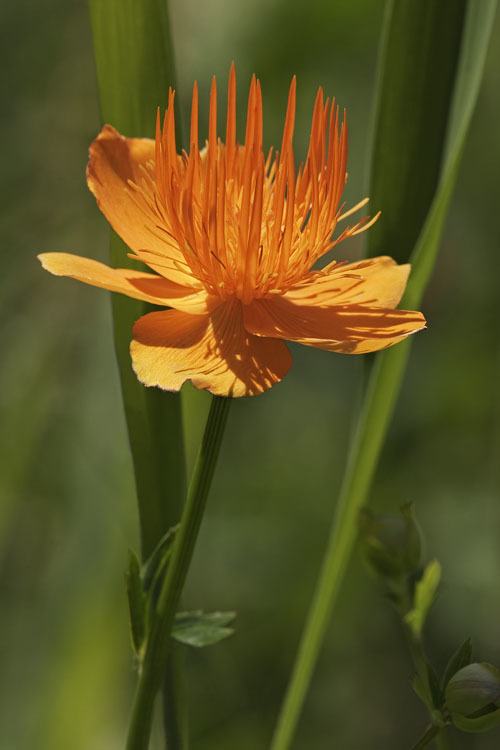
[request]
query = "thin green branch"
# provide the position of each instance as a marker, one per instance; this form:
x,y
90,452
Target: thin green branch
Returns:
x,y
442,740
159,636
428,736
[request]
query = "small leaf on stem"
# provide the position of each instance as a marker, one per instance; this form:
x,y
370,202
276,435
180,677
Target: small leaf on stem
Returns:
x,y
201,629
137,600
158,559
461,658
425,595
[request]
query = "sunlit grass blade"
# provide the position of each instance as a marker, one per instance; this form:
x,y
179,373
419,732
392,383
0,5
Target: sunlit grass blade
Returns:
x,y
418,64
389,368
134,62
134,66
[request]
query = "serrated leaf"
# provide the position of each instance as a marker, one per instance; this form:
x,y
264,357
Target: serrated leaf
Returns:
x,y
477,725
136,602
200,629
461,658
425,594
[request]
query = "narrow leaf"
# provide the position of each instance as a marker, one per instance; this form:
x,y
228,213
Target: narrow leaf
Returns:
x,y
387,373
425,595
136,602
157,561
461,658
477,32
201,629
423,692
434,687
134,66
420,48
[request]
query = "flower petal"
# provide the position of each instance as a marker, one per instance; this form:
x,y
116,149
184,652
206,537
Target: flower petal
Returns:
x,y
377,282
352,329
214,352
114,162
137,284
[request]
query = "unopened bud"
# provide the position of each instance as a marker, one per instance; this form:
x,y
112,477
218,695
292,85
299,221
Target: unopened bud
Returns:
x,y
392,542
473,690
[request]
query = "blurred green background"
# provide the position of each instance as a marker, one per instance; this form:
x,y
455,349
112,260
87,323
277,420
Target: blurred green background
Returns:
x,y
67,511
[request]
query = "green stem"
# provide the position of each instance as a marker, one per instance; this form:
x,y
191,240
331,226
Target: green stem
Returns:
x,y
430,733
417,654
381,395
442,742
159,636
420,663
173,705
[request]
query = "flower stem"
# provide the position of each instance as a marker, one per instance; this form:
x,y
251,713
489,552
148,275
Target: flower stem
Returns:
x,y
159,637
430,734
173,703
442,739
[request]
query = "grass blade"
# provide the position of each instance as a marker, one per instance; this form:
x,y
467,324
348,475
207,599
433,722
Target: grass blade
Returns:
x,y
134,63
418,61
134,71
389,367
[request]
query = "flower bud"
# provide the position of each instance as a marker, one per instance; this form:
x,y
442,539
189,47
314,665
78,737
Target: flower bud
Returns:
x,y
473,690
392,543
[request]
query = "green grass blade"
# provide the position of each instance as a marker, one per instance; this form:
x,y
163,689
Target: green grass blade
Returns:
x,y
419,52
134,62
389,367
479,23
134,71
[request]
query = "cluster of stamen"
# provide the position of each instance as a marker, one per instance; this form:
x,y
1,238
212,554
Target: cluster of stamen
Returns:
x,y
243,224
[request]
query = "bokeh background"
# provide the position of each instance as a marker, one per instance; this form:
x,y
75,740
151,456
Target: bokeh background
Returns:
x,y
67,511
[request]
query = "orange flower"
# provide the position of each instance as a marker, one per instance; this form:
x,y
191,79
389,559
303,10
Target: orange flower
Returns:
x,y
232,236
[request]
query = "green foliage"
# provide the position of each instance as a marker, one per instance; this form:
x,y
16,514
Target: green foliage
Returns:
x,y
477,31
461,658
388,371
134,63
195,628
421,45
428,688
156,563
424,597
200,629
391,542
474,691
137,602
142,587
477,725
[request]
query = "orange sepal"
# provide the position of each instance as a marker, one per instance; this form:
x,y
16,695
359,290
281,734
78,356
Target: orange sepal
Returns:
x,y
114,162
136,284
377,282
214,352
352,329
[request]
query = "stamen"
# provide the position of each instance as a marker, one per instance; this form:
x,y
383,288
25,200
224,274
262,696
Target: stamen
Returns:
x,y
353,209
366,226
